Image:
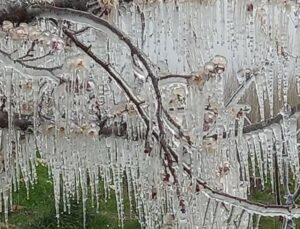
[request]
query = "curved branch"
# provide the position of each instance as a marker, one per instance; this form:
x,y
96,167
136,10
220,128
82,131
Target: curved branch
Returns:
x,y
256,208
113,73
103,25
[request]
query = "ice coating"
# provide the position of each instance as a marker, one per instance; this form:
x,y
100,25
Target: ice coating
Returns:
x,y
87,127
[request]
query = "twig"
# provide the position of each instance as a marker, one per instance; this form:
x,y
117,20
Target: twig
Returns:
x,y
30,70
31,49
206,210
228,220
37,58
186,77
241,90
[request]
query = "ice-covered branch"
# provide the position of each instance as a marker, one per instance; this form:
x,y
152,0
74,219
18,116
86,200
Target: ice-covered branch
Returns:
x,y
113,74
264,124
249,206
28,70
250,77
268,122
132,97
23,123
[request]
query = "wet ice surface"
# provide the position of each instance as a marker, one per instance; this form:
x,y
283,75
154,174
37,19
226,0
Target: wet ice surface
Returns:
x,y
224,46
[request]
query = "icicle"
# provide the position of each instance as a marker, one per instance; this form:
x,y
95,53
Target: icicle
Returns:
x,y
259,82
278,148
270,86
264,147
252,157
259,159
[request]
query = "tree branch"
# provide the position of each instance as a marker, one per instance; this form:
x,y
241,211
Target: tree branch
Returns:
x,y
30,71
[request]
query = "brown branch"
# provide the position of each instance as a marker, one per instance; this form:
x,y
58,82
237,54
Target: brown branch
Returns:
x,y
268,122
31,49
262,124
109,69
36,58
186,77
257,208
100,24
22,123
241,89
113,74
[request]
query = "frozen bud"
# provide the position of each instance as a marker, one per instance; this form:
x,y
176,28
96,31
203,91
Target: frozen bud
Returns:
x,y
25,27
226,167
27,108
76,63
219,60
209,119
76,132
50,129
7,25
20,32
198,79
213,103
27,87
239,109
61,130
90,86
131,108
109,3
33,33
57,43
220,63
243,75
169,221
92,132
45,40
286,110
180,91
210,144
209,67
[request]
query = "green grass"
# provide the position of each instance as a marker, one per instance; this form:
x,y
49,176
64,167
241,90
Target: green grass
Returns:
x,y
39,212
267,197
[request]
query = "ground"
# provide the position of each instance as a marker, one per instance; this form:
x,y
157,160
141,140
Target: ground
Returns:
x,y
38,211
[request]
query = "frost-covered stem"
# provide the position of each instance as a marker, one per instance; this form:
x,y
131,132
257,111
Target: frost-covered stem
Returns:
x,y
30,71
263,124
237,95
268,122
206,210
254,207
172,76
